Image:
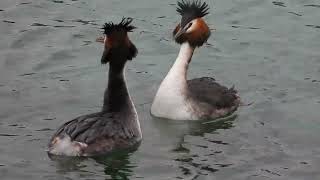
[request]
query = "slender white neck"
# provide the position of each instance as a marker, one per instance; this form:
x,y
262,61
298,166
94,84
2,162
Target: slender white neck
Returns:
x,y
170,100
178,71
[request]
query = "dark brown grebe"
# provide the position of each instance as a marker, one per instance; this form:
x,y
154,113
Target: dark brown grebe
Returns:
x,y
117,126
202,98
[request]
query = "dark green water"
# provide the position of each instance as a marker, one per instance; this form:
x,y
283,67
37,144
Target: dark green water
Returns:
x,y
50,73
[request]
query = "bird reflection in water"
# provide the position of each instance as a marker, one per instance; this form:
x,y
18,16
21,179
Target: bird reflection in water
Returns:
x,y
117,165
187,159
177,130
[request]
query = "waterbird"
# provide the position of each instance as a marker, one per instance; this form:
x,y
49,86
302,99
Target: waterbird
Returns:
x,y
116,126
202,98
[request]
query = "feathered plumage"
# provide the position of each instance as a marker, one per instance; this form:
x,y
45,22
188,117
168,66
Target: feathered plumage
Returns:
x,y
191,10
116,127
197,99
195,8
123,25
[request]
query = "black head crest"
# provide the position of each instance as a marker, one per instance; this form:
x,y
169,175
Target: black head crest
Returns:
x,y
191,10
125,25
195,8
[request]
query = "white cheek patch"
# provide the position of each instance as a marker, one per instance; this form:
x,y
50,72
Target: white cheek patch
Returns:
x,y
64,146
192,27
105,39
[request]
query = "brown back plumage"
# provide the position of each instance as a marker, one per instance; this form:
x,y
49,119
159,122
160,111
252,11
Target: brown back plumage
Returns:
x,y
207,90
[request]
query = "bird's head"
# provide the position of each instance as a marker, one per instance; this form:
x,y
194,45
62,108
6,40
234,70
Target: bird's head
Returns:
x,y
192,28
117,45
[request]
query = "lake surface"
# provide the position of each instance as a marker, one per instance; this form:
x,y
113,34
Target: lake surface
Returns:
x,y
50,73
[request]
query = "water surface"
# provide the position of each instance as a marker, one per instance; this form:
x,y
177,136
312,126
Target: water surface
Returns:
x,y
50,73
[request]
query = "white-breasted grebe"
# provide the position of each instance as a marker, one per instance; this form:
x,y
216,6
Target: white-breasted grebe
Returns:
x,y
203,98
117,126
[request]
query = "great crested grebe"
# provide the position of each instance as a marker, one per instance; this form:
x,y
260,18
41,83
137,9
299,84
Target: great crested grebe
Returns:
x,y
202,98
117,126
